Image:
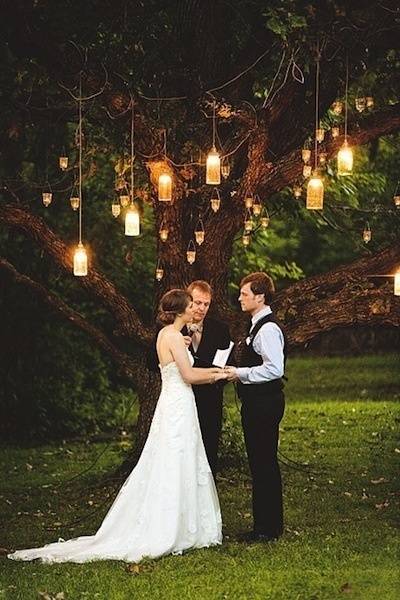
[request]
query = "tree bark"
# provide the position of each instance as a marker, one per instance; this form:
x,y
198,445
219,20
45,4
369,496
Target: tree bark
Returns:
x,y
355,294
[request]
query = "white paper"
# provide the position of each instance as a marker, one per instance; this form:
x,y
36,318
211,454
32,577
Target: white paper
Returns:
x,y
221,356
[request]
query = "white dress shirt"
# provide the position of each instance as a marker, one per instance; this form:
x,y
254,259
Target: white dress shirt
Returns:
x,y
269,343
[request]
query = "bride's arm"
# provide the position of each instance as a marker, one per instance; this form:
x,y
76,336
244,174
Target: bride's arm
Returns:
x,y
191,374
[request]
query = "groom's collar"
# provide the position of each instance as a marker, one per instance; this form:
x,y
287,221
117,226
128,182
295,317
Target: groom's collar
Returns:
x,y
261,313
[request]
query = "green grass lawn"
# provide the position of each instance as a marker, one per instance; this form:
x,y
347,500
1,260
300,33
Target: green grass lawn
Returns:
x,y
340,453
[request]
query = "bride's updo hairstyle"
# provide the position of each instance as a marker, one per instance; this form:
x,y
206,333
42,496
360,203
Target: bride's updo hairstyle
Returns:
x,y
173,303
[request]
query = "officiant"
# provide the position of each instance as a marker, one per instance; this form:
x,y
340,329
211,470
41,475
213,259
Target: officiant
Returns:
x,y
207,336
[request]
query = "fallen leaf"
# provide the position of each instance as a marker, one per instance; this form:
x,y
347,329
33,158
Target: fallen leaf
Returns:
x,y
380,480
133,569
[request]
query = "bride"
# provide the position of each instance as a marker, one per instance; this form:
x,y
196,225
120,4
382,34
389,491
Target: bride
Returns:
x,y
169,502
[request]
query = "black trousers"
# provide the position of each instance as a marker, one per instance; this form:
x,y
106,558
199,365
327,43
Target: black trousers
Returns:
x,y
209,410
260,420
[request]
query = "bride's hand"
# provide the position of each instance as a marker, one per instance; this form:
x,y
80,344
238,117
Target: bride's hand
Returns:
x,y
220,375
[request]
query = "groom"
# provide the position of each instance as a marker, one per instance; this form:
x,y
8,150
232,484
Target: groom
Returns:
x,y
207,336
261,362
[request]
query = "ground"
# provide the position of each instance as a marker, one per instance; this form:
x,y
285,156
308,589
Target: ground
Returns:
x,y
339,451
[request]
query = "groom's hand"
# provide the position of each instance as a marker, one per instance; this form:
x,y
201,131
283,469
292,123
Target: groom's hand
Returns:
x,y
231,373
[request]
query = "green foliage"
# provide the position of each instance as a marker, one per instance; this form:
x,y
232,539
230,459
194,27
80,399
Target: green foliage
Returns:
x,y
282,21
267,252
54,382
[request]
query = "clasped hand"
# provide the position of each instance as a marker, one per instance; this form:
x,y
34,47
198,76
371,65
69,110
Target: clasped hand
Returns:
x,y
218,374
231,374
227,373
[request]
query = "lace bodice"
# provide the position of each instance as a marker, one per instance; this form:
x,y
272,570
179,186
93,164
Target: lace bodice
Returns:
x,y
170,372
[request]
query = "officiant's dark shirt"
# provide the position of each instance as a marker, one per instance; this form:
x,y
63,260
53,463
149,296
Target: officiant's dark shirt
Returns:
x,y
215,335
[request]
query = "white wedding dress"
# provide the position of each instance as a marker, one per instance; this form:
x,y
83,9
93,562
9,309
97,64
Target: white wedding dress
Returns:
x,y
168,503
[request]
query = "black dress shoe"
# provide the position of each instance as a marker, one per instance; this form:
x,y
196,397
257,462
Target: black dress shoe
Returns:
x,y
254,537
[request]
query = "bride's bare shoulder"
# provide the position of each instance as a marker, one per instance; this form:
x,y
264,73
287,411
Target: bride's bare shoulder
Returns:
x,y
169,332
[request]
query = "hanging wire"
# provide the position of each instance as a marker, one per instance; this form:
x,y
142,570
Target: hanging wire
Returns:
x,y
165,144
214,124
132,146
316,109
346,101
80,158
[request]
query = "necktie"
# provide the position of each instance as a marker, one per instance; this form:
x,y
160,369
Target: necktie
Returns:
x,y
196,329
196,337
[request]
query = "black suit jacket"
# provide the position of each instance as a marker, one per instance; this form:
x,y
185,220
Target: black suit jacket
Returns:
x,y
215,336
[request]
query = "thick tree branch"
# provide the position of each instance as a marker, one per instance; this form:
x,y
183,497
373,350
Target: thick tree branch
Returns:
x,y
127,321
341,298
272,177
127,366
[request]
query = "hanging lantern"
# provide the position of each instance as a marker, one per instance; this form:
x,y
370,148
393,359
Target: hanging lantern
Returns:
x,y
306,154
80,261
320,134
307,170
165,187
361,103
396,200
297,191
315,193
163,232
322,158
115,208
257,206
246,239
248,222
367,233
159,274
397,283
124,200
132,223
191,252
47,198
74,201
248,201
63,162
265,219
215,200
225,168
345,160
120,184
337,107
199,232
369,102
213,167
335,132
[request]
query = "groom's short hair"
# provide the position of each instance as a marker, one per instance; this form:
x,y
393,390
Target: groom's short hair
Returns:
x,y
260,283
201,285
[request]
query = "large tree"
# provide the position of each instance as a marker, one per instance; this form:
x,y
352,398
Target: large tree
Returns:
x,y
175,62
